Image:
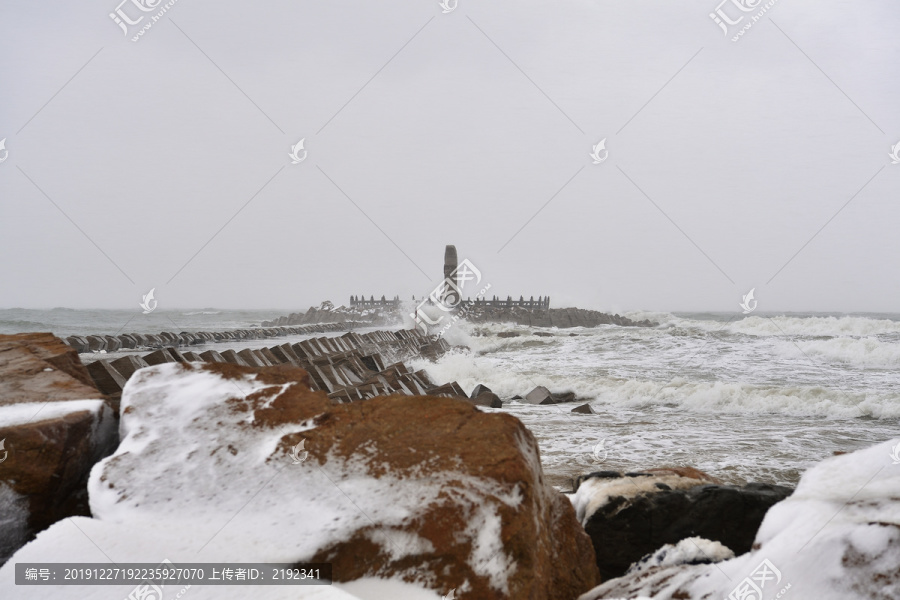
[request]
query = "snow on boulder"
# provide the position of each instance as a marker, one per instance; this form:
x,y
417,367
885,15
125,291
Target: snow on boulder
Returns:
x,y
689,551
633,515
220,462
836,537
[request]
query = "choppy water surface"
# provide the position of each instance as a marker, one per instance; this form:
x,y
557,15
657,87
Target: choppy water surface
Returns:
x,y
757,398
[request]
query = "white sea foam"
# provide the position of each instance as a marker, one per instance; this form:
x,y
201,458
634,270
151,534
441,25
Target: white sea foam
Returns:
x,y
703,371
697,396
778,325
863,352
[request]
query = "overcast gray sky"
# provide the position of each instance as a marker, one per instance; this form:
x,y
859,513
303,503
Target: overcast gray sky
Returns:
x,y
164,162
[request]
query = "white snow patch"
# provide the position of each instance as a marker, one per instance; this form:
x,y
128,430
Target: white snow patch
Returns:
x,y
596,492
20,414
692,550
836,537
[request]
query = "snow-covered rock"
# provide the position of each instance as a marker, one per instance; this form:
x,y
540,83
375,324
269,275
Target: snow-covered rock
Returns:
x,y
632,515
221,463
836,537
54,426
689,551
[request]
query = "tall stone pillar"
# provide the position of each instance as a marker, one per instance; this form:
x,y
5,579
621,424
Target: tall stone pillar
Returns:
x,y
450,262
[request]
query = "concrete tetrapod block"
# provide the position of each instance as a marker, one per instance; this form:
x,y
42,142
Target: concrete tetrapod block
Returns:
x,y
539,395
487,399
176,354
127,341
112,343
79,344
96,343
251,359
107,379
479,389
159,357
212,356
127,365
262,358
232,357
272,357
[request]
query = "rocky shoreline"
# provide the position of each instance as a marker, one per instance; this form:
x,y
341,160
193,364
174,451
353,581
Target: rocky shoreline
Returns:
x,y
475,311
332,450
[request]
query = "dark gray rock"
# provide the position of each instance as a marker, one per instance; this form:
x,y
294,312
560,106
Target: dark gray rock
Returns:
x,y
632,525
479,389
487,399
539,395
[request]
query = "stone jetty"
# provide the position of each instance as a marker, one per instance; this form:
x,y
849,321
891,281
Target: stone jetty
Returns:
x,y
511,311
347,368
360,313
167,339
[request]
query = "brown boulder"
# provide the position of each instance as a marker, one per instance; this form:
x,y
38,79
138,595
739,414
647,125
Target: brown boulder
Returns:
x,y
56,425
551,551
39,367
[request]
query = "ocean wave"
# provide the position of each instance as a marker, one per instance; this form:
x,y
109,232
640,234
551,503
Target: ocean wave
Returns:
x,y
469,369
859,352
202,312
815,326
18,325
781,325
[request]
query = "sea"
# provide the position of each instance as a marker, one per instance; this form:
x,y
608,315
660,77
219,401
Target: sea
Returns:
x,y
758,397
